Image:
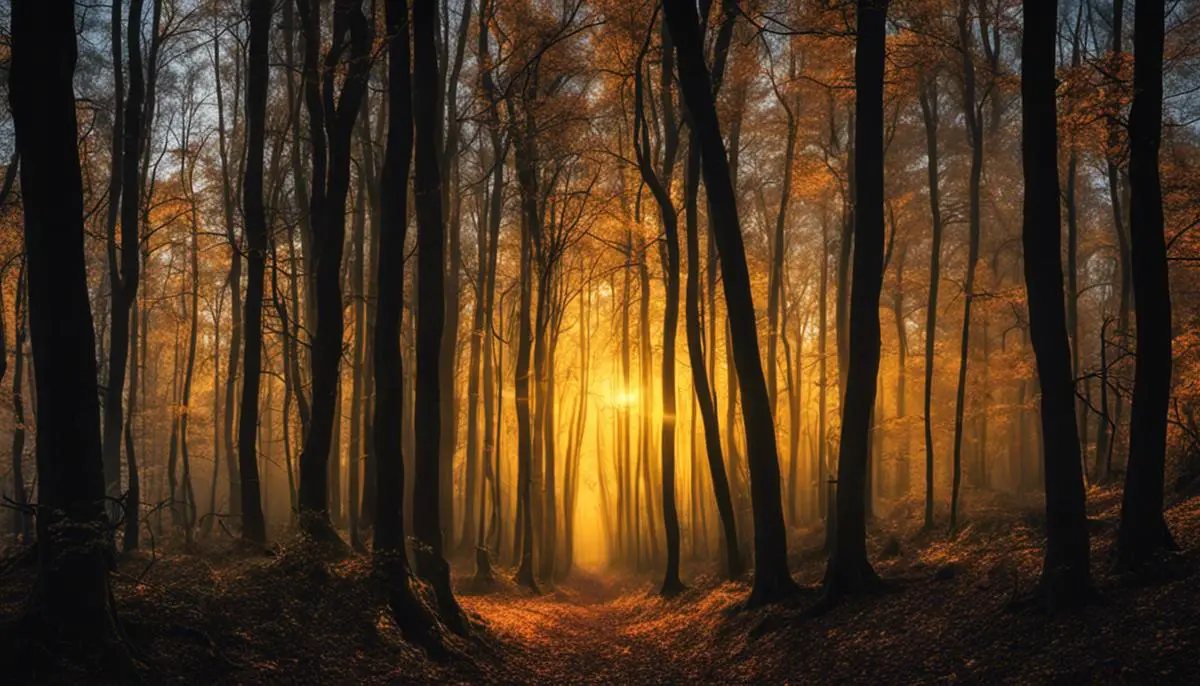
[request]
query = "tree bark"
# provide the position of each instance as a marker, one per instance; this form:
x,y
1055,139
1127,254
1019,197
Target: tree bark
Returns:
x,y
235,292
331,123
1065,574
974,118
22,522
660,186
1143,532
700,375
72,603
389,550
772,581
357,278
929,113
451,198
848,570
257,81
431,230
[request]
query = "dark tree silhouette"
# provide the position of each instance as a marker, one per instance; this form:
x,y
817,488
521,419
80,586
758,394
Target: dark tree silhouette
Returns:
x,y
495,207
700,377
1143,531
772,582
973,115
389,554
928,96
71,610
123,269
660,186
849,571
331,125
1065,575
431,234
253,524
235,274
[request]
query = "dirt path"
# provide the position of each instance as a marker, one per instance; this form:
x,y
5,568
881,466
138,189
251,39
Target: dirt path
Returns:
x,y
590,630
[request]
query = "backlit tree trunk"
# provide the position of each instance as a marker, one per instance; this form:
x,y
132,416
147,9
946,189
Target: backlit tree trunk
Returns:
x,y
772,581
1065,575
253,524
849,571
1143,531
331,124
929,113
72,605
431,564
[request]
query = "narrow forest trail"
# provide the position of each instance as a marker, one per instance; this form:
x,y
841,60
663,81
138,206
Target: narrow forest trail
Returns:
x,y
592,629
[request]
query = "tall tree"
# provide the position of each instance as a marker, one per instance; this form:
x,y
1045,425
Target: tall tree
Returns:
x,y
700,375
1143,531
493,212
772,582
431,234
389,550
927,83
72,606
253,524
123,270
234,278
849,571
973,113
450,68
1114,150
660,186
1065,573
331,118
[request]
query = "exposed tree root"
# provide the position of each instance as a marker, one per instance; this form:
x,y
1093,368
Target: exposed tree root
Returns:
x,y
768,589
672,587
1059,589
483,567
435,570
315,526
1145,556
844,579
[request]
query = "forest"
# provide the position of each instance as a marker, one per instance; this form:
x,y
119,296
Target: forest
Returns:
x,y
599,341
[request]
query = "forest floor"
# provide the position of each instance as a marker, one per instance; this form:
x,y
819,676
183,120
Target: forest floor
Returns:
x,y
227,617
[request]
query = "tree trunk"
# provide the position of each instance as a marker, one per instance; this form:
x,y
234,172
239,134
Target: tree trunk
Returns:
x,y
1143,531
775,286
257,82
431,563
487,294
1113,154
331,124
22,522
849,571
646,410
974,119
929,113
124,169
772,581
389,549
628,482
701,376
660,186
72,604
904,472
1065,574
235,290
357,278
528,181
